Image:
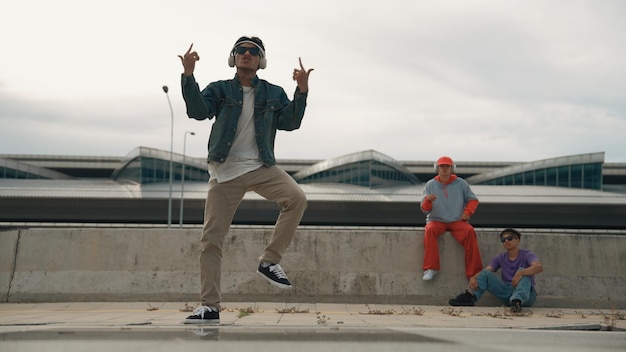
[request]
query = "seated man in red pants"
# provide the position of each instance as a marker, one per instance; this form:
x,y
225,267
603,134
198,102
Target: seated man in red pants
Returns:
x,y
448,203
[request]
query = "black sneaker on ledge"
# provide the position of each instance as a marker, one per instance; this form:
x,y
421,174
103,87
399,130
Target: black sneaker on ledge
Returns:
x,y
516,306
275,275
465,299
204,315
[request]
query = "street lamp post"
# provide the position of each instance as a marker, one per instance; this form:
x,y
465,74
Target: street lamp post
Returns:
x,y
169,203
182,178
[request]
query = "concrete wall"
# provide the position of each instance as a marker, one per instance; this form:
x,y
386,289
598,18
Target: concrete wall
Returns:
x,y
582,269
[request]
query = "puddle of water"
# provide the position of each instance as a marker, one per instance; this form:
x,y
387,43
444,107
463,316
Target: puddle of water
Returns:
x,y
222,334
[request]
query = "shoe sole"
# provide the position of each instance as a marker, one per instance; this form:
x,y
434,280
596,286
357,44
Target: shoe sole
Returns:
x,y
455,304
202,322
277,284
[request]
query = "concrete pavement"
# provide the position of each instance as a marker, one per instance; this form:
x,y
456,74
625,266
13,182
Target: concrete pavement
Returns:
x,y
103,326
25,316
33,316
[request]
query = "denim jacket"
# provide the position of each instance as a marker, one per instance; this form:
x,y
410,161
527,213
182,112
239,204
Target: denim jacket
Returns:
x,y
224,99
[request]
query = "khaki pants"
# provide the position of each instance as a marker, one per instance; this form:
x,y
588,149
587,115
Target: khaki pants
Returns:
x,y
222,201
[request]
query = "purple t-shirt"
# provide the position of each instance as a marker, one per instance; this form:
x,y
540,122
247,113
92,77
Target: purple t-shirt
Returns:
x,y
510,267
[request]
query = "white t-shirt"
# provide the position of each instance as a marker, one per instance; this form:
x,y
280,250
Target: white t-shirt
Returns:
x,y
244,154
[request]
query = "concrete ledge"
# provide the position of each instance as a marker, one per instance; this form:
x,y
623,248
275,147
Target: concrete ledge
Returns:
x,y
342,265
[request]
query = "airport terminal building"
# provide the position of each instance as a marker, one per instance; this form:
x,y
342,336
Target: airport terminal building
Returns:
x,y
365,188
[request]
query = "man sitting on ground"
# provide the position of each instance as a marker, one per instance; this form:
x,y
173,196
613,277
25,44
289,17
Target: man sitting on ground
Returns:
x,y
517,286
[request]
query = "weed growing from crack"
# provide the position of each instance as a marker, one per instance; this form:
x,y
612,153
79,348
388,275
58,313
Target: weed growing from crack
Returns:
x,y
412,311
292,310
554,314
581,314
244,312
451,311
505,313
378,312
151,308
322,319
187,308
610,320
497,314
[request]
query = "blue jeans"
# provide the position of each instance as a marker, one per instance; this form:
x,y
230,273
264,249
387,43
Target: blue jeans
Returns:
x,y
488,281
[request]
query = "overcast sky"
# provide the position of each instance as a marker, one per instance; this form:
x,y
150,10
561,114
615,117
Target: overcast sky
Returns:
x,y
477,80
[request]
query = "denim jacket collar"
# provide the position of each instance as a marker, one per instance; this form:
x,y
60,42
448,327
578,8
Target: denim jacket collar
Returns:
x,y
255,80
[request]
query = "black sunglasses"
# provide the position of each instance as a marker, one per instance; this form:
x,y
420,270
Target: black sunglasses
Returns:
x,y
254,51
508,238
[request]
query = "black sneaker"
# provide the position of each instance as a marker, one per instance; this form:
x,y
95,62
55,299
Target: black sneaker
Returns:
x,y
465,299
204,315
516,306
275,275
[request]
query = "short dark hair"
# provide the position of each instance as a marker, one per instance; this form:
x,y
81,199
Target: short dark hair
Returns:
x,y
511,231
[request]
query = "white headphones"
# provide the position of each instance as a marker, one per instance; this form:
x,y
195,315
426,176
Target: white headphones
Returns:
x,y
453,167
445,160
262,59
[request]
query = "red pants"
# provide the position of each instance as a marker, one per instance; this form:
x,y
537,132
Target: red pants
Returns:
x,y
463,233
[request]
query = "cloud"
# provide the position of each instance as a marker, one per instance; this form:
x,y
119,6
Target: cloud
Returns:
x,y
479,80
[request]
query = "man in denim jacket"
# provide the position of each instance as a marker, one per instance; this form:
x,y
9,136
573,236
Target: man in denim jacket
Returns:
x,y
248,111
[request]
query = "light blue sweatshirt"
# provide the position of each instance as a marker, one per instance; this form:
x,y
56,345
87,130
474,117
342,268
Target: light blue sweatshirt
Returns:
x,y
453,198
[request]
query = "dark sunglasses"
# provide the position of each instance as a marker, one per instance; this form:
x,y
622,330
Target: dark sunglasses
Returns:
x,y
508,238
254,51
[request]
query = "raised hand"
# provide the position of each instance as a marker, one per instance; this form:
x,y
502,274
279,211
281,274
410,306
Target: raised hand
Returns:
x,y
189,61
301,76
